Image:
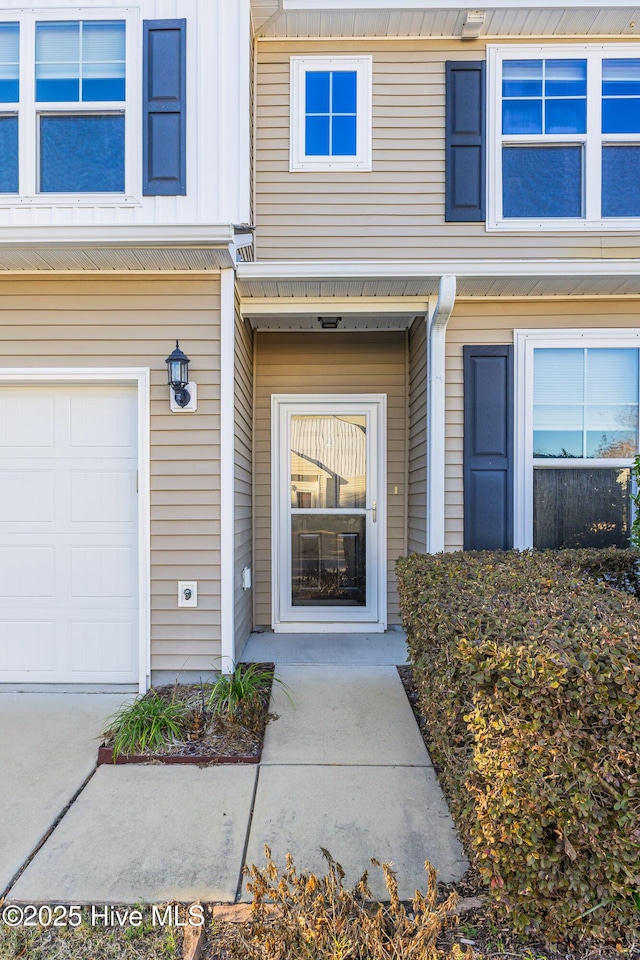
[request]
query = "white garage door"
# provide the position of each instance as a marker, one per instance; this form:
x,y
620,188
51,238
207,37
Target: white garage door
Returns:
x,y
68,534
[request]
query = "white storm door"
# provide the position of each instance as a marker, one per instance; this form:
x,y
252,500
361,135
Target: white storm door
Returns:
x,y
68,534
329,501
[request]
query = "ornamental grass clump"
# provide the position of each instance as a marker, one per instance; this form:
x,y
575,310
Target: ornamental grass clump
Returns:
x,y
528,670
150,722
296,915
243,690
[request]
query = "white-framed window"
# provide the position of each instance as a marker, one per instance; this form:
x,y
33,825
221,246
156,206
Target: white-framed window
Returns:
x,y
563,135
330,113
577,433
66,107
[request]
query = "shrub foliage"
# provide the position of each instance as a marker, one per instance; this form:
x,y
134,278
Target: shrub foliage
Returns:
x,y
528,669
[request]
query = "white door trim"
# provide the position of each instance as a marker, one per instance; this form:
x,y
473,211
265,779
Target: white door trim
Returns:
x,y
378,623
125,375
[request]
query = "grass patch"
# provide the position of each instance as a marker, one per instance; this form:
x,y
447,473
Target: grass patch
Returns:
x,y
92,942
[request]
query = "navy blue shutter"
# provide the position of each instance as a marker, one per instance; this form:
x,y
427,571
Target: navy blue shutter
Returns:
x,y
465,149
164,135
488,447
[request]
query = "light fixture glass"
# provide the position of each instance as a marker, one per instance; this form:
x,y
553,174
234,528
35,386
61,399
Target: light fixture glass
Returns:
x,y
178,375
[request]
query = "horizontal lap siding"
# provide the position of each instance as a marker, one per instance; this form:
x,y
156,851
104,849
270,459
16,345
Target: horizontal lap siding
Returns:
x,y
134,323
243,475
329,363
417,454
488,322
396,211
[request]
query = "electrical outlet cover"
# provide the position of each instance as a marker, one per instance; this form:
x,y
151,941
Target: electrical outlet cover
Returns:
x,y
187,593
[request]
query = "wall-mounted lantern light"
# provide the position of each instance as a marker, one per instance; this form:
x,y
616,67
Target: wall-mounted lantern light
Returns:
x,y
178,379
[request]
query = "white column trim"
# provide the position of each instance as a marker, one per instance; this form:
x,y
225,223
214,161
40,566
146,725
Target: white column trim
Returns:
x,y
227,470
436,346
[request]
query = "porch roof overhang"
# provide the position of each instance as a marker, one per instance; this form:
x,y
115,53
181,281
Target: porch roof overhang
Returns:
x,y
96,249
292,294
353,19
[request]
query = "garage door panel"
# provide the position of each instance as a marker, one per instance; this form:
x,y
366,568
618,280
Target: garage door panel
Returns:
x,y
68,534
26,496
26,421
101,572
102,647
101,423
102,497
25,644
27,571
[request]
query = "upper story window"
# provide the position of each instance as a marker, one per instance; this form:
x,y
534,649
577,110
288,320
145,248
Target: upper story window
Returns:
x,y
9,96
564,137
330,113
63,108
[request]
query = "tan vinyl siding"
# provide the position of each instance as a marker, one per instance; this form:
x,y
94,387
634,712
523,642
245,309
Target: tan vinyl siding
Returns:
x,y
113,322
396,211
329,363
490,322
243,438
417,453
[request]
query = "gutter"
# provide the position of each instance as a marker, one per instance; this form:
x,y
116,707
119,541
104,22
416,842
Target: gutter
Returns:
x,y
436,348
434,269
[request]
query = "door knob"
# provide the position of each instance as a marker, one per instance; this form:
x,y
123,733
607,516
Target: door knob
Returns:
x,y
374,511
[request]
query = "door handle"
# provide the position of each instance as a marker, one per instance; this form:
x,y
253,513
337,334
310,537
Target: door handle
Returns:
x,y
374,511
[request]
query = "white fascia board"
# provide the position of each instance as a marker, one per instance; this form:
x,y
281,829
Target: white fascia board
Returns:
x,y
216,235
348,6
421,269
267,306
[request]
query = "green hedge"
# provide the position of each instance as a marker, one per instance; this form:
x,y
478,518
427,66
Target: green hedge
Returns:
x,y
528,669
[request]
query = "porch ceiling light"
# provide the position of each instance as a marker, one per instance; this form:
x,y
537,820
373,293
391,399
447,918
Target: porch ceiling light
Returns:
x,y
473,24
178,375
329,323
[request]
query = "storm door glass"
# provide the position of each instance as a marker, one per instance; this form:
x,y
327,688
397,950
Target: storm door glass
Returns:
x,y
328,491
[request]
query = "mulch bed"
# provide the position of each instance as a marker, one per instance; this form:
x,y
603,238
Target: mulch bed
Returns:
x,y
210,738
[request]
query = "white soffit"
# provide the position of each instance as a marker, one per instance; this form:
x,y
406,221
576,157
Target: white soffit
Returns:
x,y
348,322
340,280
121,259
329,18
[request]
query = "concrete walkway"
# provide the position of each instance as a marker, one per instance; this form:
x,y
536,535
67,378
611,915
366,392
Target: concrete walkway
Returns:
x,y
343,767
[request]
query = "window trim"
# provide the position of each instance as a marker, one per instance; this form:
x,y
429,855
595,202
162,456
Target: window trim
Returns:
x,y
29,111
298,160
525,342
592,221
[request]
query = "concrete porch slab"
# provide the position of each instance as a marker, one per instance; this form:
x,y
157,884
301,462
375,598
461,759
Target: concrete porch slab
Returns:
x,y
396,814
359,649
146,834
347,715
47,750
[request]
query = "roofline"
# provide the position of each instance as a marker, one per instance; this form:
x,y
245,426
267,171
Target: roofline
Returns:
x,y
422,269
347,6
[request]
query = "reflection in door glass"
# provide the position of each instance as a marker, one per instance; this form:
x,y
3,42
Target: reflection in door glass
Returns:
x,y
328,462
328,558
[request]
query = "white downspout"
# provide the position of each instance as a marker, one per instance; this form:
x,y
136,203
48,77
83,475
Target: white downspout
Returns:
x,y
436,344
227,470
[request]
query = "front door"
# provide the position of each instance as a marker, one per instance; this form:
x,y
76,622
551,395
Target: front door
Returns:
x,y
329,513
